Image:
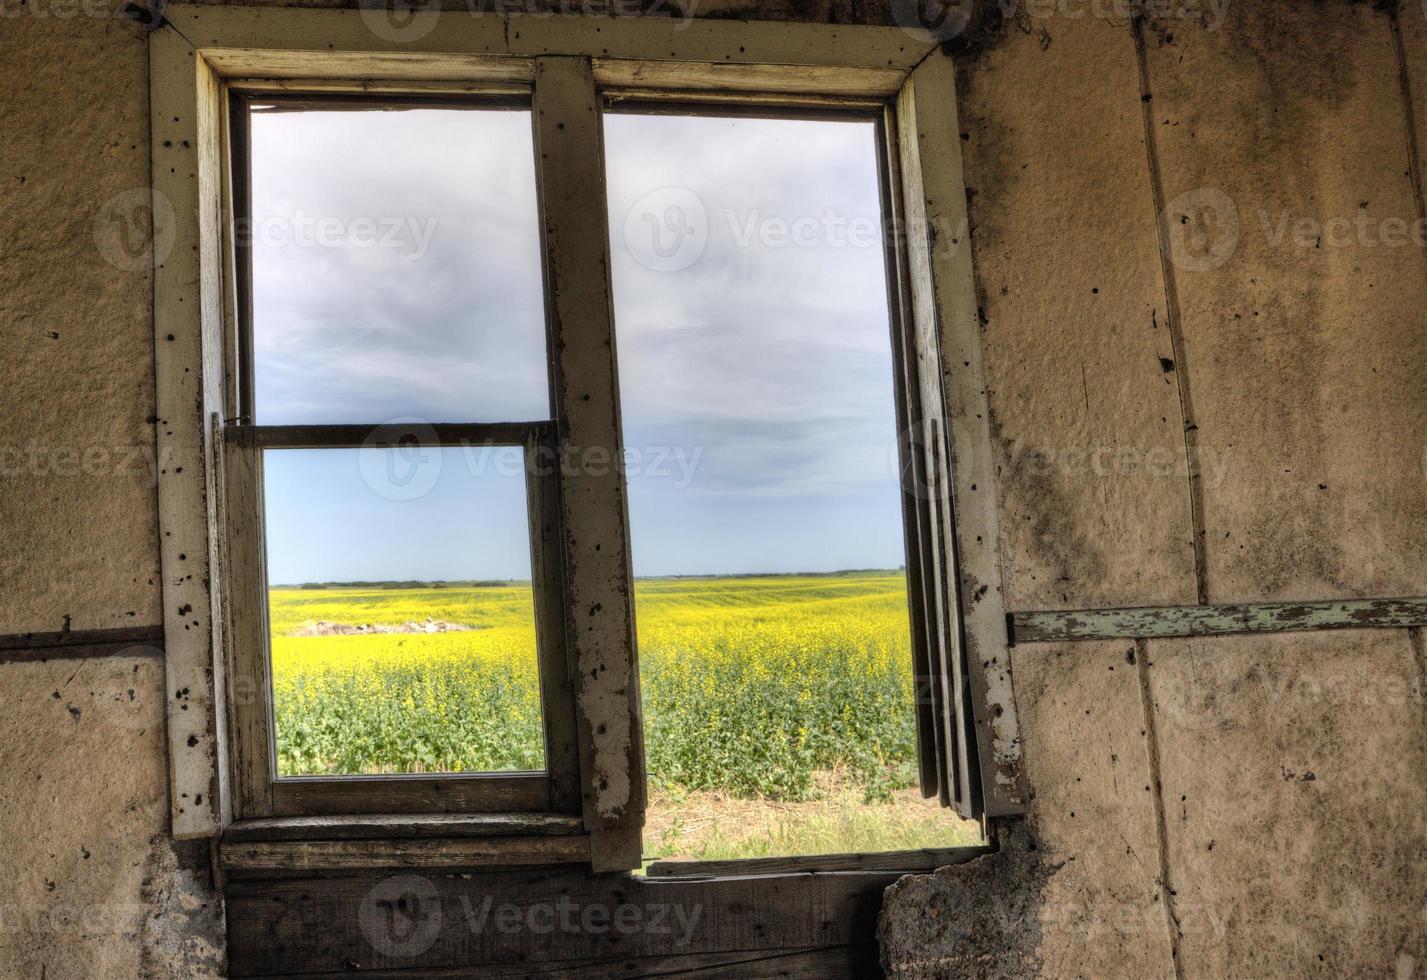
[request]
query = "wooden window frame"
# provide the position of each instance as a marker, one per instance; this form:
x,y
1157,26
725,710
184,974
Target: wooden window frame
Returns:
x,y
571,67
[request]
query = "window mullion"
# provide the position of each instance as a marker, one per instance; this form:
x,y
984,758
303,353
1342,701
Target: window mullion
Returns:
x,y
598,600
245,621
557,681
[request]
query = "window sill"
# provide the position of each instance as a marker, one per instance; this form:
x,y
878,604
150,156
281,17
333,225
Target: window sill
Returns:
x,y
901,862
452,842
304,846
399,826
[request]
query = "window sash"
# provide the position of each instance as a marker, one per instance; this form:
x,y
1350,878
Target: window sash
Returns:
x,y
981,758
262,792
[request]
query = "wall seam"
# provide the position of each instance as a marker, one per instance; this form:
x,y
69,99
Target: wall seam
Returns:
x,y
1167,894
1415,635
1173,318
1414,156
1418,639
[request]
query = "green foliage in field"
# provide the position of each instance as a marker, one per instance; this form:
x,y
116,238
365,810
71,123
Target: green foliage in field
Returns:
x,y
406,702
751,686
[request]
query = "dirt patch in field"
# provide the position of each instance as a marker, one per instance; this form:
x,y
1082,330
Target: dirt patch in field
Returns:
x,y
324,628
711,826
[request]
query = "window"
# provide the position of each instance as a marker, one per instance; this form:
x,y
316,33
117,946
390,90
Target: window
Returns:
x,y
369,441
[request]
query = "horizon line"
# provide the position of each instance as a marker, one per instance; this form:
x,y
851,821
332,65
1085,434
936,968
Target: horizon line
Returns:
x,y
497,582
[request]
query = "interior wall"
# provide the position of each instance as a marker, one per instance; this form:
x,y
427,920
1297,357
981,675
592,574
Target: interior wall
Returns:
x,y
94,884
1235,414
1237,805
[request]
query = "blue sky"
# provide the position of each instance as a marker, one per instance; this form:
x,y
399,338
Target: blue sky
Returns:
x,y
396,275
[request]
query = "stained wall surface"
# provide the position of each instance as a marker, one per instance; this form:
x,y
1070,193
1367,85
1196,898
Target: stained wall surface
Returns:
x,y
1227,405
1228,806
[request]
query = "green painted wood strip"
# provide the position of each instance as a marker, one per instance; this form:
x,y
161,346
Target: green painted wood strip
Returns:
x,y
1217,620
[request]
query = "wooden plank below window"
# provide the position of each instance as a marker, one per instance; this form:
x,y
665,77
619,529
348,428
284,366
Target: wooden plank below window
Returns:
x,y
533,921
813,963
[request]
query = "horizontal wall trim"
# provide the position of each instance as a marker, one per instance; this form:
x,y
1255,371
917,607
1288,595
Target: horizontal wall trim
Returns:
x,y
1151,622
126,641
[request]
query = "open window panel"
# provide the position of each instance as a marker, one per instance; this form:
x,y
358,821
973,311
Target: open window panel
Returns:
x,y
390,482
802,670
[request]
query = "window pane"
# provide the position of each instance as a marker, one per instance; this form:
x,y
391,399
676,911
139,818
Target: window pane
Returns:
x,y
395,266
401,613
759,417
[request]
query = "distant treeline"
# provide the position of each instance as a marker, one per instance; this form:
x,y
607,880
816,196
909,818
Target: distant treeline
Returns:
x,y
483,583
840,573
496,583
